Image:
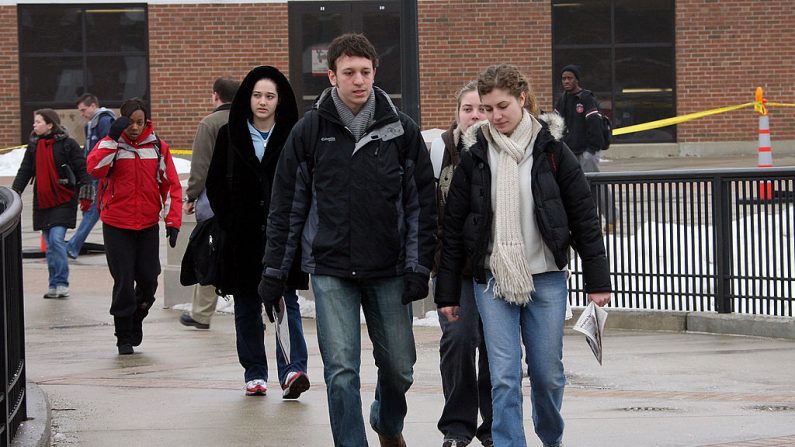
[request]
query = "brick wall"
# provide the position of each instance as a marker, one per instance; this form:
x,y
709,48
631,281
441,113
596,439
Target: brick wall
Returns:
x,y
457,39
191,45
9,77
725,49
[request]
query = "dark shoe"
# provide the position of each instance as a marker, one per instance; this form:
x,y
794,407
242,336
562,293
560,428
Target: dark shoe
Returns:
x,y
295,384
397,441
187,320
137,331
455,443
488,443
126,349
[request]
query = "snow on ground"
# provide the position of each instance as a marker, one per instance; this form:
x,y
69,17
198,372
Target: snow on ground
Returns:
x,y
9,163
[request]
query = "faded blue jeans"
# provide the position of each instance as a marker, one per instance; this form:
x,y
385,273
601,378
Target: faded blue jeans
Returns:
x,y
540,325
80,235
57,264
337,303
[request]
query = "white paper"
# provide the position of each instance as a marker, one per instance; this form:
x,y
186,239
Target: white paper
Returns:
x,y
592,324
283,329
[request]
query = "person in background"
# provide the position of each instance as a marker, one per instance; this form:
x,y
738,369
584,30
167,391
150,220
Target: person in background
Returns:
x,y
57,166
583,134
239,188
517,203
137,179
465,380
204,297
354,190
98,121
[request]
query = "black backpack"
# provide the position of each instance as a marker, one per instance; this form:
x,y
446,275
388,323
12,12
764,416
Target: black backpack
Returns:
x,y
607,130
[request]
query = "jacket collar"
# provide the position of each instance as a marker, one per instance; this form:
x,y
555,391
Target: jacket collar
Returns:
x,y
552,126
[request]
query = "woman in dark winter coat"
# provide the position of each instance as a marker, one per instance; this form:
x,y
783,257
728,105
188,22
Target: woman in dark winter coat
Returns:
x,y
57,163
465,381
518,200
137,177
239,183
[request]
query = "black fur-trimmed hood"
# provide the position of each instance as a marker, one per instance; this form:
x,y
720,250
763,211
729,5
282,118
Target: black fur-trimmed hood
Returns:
x,y
551,121
240,110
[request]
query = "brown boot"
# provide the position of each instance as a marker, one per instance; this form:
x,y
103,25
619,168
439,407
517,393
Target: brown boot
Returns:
x,y
397,441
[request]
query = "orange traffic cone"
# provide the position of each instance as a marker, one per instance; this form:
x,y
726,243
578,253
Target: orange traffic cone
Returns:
x,y
765,159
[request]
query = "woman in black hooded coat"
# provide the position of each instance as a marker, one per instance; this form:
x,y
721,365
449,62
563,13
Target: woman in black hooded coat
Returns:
x,y
239,183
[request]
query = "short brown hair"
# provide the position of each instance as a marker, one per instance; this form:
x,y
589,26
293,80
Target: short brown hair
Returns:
x,y
352,45
49,116
510,78
226,88
87,99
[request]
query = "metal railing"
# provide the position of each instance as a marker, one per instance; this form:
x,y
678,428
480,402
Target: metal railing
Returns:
x,y
719,240
12,322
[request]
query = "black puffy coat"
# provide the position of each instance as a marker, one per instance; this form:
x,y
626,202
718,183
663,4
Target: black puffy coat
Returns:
x,y
65,151
564,209
241,202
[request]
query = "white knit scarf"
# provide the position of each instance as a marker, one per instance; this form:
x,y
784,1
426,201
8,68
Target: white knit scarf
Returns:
x,y
513,281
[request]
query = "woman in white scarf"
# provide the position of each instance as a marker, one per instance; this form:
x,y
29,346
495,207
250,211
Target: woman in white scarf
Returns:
x,y
530,211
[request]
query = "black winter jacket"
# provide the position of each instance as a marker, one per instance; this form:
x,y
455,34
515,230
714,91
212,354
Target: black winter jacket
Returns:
x,y
583,121
65,151
358,210
564,209
241,202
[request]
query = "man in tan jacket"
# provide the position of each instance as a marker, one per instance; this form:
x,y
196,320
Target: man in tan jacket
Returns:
x,y
224,89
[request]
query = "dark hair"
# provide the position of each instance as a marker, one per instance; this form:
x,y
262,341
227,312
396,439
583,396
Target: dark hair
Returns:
x,y
352,45
49,116
87,99
131,105
226,88
509,78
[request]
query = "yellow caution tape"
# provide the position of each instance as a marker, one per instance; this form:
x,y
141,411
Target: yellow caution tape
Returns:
x,y
181,152
676,120
759,107
9,149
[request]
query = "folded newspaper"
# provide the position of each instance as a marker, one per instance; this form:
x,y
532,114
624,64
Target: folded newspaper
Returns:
x,y
283,329
592,324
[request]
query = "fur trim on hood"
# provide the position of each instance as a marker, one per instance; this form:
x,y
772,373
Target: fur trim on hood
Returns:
x,y
554,123
240,111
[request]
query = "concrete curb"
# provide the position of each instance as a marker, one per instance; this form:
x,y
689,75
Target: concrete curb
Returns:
x,y
35,431
712,323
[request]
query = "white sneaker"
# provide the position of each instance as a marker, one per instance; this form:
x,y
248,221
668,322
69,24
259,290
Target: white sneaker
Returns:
x,y
295,384
62,291
256,387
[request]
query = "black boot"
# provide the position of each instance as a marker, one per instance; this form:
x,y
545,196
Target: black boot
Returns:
x,y
123,334
138,322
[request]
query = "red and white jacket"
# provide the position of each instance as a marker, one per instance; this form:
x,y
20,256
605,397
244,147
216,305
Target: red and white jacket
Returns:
x,y
137,188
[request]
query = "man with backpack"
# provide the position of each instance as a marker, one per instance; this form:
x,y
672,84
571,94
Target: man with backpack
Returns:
x,y
354,188
585,132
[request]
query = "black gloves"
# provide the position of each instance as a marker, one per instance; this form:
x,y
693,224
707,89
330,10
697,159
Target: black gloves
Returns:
x,y
415,287
118,127
172,233
270,291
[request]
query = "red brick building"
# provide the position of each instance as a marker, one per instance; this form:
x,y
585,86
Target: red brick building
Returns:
x,y
647,61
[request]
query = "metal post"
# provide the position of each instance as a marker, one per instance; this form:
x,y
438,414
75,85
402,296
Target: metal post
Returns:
x,y
722,244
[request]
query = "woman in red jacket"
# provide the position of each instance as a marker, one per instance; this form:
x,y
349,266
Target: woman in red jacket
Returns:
x,y
137,177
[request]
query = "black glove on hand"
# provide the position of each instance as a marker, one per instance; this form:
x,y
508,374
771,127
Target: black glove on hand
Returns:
x,y
172,233
118,127
415,287
87,192
270,291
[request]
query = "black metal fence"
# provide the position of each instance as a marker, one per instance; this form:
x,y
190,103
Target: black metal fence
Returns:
x,y
718,240
12,322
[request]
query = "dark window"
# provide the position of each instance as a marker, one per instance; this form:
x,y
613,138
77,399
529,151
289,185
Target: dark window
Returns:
x,y
625,50
313,25
67,50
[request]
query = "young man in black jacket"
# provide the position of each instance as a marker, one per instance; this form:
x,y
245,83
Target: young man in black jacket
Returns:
x,y
354,187
580,111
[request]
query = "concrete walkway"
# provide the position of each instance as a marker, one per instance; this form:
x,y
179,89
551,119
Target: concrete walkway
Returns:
x,y
184,386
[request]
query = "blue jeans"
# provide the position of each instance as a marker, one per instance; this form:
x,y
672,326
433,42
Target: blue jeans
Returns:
x,y
57,264
540,325
337,302
250,337
77,240
465,381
